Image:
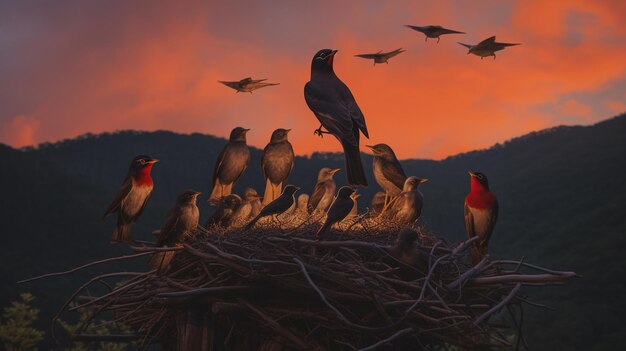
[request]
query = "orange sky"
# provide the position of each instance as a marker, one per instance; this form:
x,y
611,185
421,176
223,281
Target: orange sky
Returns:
x,y
72,67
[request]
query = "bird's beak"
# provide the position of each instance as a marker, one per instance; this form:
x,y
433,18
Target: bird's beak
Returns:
x,y
335,170
370,146
287,131
472,174
332,53
356,196
152,161
424,180
297,188
246,130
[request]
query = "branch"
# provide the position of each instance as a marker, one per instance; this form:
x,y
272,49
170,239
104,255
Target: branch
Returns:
x,y
523,278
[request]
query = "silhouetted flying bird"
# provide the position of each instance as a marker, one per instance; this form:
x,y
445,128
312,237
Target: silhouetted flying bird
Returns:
x,y
381,57
433,31
487,47
247,85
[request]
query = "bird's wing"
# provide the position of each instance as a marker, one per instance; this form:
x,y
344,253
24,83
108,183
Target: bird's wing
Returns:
x,y
393,53
368,56
487,41
257,80
449,31
317,195
395,174
257,85
168,230
123,191
417,28
492,223
503,45
467,45
469,222
233,85
246,80
218,164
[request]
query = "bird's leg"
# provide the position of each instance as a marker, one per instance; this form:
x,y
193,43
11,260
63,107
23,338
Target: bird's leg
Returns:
x,y
426,39
385,204
320,132
494,56
438,38
481,57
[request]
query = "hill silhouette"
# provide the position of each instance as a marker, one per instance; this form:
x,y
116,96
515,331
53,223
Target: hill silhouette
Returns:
x,y
561,193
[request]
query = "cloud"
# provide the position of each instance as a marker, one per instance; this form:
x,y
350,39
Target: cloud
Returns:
x,y
20,131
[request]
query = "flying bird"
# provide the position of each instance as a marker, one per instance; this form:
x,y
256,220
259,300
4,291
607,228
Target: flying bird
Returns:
x,y
181,222
279,206
132,197
433,31
487,47
247,85
230,164
340,209
334,106
481,214
388,171
225,211
276,163
250,206
381,57
324,190
408,207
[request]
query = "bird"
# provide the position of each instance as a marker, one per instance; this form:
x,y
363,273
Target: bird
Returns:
x,y
230,165
225,211
408,206
337,111
355,209
381,57
179,225
302,203
388,171
277,162
340,209
481,214
433,31
378,202
278,206
250,207
487,47
247,85
406,251
132,197
324,190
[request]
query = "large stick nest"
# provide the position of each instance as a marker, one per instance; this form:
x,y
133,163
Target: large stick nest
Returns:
x,y
276,287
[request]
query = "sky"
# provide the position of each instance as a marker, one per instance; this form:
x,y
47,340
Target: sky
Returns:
x,y
73,67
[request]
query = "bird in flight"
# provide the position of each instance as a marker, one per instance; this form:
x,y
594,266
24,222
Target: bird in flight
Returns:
x,y
247,85
487,47
381,57
433,31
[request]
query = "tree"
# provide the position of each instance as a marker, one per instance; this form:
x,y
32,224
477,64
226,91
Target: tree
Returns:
x,y
16,325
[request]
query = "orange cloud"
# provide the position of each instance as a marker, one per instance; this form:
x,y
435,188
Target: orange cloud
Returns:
x,y
20,131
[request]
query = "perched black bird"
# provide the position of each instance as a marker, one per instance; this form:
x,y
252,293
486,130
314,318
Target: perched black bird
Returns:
x,y
378,203
278,206
481,214
222,217
381,57
340,209
276,163
487,47
324,190
249,208
433,31
180,223
247,85
132,197
334,106
407,208
230,164
388,171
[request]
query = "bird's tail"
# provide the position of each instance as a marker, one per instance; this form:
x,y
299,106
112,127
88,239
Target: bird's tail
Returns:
x,y
121,233
219,191
272,191
466,45
253,222
354,165
161,260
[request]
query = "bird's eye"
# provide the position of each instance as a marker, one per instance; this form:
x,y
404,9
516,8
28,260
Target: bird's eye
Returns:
x,y
142,161
323,55
480,176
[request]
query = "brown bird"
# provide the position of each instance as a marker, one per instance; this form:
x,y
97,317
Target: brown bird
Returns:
x,y
406,248
340,209
388,171
276,163
378,203
230,164
180,224
355,209
247,85
481,214
381,57
277,207
225,211
408,206
303,203
324,191
249,208
132,197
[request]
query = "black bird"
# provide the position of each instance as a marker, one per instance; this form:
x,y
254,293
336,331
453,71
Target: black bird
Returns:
x,y
230,164
408,206
249,208
481,214
378,202
381,57
340,209
223,215
406,250
276,163
324,190
433,31
334,106
179,225
132,197
388,171
247,85
487,47
278,206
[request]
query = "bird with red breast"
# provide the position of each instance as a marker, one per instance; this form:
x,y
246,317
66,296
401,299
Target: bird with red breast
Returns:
x,y
132,197
481,214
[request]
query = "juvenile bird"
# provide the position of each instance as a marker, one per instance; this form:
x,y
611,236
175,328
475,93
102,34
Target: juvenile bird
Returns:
x,y
388,171
378,202
406,250
132,197
276,163
434,31
481,214
278,206
181,222
249,208
247,85
340,209
230,164
334,106
227,207
324,190
303,203
381,57
487,47
408,207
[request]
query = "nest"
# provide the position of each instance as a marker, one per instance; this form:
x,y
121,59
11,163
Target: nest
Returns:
x,y
275,287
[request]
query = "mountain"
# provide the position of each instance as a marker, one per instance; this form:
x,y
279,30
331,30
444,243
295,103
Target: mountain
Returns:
x,y
561,193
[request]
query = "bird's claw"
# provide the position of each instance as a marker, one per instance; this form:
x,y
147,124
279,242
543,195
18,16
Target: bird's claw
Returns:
x,y
319,132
